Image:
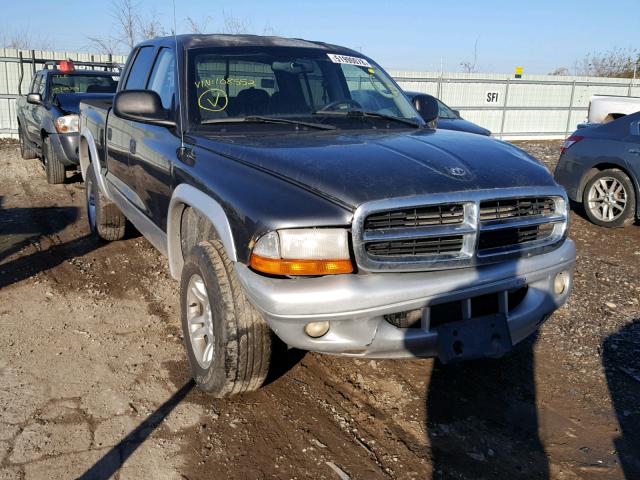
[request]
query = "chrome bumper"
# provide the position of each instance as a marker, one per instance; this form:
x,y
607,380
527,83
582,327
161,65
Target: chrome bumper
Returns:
x,y
356,304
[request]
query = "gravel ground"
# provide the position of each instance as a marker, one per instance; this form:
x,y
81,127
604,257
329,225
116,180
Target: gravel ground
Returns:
x,y
94,382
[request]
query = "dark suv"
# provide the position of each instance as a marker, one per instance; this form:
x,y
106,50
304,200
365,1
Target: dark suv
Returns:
x,y
48,114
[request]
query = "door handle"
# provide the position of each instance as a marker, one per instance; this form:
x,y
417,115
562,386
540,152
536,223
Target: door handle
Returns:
x,y
109,133
132,146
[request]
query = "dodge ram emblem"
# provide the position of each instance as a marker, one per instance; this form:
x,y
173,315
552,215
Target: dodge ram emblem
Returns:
x,y
457,171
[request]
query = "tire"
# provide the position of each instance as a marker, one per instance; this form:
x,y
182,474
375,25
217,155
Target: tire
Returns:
x,y
609,199
26,152
230,349
105,220
52,165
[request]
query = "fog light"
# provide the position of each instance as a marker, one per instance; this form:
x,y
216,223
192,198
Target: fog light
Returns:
x,y
561,283
316,329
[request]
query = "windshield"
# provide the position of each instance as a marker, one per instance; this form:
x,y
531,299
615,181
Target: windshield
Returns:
x,y
81,83
294,84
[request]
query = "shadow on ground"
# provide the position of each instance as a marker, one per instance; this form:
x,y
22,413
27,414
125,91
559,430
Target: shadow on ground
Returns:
x,y
111,462
621,359
482,419
20,227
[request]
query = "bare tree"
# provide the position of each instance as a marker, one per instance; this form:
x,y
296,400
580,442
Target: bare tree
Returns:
x,y
196,26
234,25
269,30
129,27
560,71
125,16
150,27
471,66
617,63
24,40
230,25
104,45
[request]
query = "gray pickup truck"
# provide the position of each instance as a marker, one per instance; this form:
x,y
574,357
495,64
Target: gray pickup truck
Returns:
x,y
48,114
298,194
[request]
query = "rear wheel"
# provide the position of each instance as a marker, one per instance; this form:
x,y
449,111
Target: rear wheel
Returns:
x,y
25,151
609,199
228,342
53,166
105,220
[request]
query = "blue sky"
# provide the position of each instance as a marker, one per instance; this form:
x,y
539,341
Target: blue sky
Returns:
x,y
412,34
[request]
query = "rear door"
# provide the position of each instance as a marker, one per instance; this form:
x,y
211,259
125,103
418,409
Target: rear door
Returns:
x,y
32,112
153,146
632,150
119,139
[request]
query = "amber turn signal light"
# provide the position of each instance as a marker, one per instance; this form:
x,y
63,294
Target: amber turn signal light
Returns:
x,y
280,266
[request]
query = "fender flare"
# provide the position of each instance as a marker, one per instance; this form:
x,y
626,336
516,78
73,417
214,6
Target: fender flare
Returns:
x,y
86,151
188,196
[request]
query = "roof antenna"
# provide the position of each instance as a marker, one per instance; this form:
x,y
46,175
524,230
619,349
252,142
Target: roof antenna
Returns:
x,y
175,38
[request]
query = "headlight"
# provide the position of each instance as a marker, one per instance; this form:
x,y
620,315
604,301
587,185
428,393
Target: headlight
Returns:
x,y
309,251
67,124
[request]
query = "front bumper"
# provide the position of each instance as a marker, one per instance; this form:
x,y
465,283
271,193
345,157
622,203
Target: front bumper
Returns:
x,y
356,304
66,147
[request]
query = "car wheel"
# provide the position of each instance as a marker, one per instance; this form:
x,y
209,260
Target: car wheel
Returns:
x,y
228,342
609,199
53,166
25,151
105,220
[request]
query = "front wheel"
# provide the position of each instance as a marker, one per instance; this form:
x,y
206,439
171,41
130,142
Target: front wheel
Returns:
x,y
609,199
53,166
26,152
228,342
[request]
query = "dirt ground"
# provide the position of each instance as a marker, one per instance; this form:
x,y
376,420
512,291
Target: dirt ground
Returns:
x,y
94,381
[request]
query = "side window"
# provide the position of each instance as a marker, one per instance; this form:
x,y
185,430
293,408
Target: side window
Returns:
x,y
41,85
162,79
139,73
34,84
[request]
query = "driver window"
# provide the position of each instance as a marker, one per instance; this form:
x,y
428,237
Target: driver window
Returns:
x,y
42,83
34,84
162,79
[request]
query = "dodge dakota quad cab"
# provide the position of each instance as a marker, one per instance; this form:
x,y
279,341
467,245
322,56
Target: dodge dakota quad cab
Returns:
x,y
297,193
48,114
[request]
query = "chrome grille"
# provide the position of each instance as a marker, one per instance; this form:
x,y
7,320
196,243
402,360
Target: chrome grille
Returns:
x,y
508,237
451,214
516,208
449,245
460,229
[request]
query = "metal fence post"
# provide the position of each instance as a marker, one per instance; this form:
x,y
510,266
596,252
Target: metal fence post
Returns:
x,y
573,89
504,109
21,74
33,63
439,88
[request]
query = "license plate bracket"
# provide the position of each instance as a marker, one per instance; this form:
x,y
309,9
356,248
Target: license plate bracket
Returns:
x,y
478,337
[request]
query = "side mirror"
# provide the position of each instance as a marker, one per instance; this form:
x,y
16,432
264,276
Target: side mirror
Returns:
x,y
428,108
34,99
141,106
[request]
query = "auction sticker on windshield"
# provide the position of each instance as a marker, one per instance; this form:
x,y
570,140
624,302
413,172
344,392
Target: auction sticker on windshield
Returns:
x,y
361,62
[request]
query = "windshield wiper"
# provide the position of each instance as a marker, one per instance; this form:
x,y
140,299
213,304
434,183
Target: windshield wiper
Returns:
x,y
260,119
363,114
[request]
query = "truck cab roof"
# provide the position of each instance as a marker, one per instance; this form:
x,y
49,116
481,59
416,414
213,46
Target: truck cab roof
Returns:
x,y
224,40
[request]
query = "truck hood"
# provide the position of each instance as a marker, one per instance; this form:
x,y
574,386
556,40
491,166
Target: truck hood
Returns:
x,y
70,102
353,168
